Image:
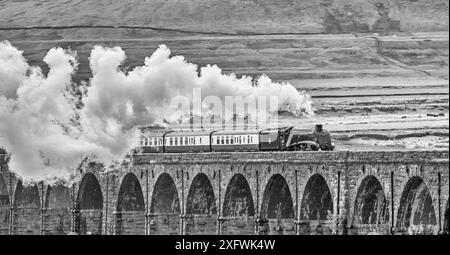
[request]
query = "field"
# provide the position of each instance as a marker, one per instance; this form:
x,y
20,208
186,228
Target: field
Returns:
x,y
374,86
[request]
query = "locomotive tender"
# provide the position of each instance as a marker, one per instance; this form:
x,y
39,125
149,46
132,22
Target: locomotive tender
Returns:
x,y
276,139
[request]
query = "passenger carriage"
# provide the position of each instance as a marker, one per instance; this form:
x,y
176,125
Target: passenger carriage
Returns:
x,y
235,140
152,142
187,141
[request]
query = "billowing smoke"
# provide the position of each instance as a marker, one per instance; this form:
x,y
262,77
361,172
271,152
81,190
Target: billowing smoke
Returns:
x,y
13,68
48,133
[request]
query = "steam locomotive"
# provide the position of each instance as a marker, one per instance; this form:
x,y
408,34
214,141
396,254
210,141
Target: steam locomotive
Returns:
x,y
276,139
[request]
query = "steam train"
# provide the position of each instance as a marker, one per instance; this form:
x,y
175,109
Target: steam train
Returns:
x,y
277,139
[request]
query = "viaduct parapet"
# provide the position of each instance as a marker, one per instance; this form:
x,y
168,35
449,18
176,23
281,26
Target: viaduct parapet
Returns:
x,y
346,192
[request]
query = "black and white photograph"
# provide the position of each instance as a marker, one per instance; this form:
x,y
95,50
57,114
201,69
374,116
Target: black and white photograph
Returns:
x,y
238,120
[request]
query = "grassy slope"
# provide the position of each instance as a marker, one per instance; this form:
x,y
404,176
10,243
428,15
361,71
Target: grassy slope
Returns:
x,y
332,64
264,16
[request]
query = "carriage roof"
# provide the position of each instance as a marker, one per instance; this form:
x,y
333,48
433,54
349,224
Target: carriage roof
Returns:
x,y
236,132
189,133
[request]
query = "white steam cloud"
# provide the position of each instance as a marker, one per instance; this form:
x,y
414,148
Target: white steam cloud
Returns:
x,y
13,68
47,135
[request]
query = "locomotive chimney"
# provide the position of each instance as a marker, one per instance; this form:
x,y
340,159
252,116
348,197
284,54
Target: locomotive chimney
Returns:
x,y
191,121
246,117
319,128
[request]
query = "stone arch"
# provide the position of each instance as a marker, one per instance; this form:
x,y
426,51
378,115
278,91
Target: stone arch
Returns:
x,y
27,207
277,200
58,205
238,207
130,209
58,196
4,194
27,196
446,220
416,206
90,206
89,194
277,208
4,206
201,207
371,205
165,196
165,206
130,196
201,199
317,203
238,198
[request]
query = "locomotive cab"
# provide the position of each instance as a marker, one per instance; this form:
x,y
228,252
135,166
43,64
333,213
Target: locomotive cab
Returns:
x,y
274,139
305,140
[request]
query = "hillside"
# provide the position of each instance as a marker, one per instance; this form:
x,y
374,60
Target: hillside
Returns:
x,y
234,16
377,70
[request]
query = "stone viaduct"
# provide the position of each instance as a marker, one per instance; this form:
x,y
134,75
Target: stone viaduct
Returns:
x,y
346,192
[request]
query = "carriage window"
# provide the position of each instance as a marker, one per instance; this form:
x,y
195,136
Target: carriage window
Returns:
x,y
200,140
222,139
232,140
243,139
227,140
175,140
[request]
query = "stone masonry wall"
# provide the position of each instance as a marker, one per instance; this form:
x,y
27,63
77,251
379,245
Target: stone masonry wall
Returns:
x,y
371,192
